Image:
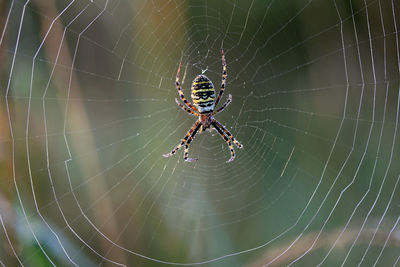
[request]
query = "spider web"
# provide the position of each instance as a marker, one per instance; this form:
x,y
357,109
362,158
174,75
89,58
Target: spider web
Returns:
x,y
87,93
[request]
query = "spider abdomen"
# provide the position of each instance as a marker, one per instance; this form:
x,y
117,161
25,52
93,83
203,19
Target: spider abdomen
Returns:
x,y
203,94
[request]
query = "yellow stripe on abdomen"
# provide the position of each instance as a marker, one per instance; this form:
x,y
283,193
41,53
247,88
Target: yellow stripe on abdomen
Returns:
x,y
203,90
203,94
202,100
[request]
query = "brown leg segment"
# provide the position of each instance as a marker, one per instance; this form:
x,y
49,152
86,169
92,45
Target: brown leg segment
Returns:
x,y
190,134
178,87
227,140
224,105
224,74
239,145
185,156
186,109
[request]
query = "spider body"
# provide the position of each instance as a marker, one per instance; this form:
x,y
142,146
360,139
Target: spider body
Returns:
x,y
203,94
204,103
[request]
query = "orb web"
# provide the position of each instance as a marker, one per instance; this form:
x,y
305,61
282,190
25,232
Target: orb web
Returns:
x,y
88,110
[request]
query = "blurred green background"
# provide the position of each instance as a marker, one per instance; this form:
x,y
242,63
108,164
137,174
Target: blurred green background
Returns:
x,y
87,109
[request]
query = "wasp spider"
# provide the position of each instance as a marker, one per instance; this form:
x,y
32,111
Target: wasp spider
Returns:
x,y
204,103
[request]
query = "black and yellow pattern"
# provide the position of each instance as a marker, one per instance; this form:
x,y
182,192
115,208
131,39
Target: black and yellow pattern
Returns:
x,y
204,102
203,94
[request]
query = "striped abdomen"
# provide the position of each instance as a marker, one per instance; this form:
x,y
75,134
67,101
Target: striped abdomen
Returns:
x,y
203,94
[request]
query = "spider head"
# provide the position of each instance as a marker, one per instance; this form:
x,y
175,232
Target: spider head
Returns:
x,y
203,94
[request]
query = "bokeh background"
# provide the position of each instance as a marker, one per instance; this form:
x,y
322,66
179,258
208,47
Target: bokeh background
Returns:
x,y
87,109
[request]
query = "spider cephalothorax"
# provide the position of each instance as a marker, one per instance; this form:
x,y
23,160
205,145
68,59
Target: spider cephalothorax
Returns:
x,y
204,103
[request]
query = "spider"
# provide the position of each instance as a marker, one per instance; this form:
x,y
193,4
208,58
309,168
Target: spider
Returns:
x,y
204,102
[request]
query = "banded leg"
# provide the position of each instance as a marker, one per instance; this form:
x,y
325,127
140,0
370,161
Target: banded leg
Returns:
x,y
239,145
178,87
224,105
227,140
189,134
185,156
223,84
186,109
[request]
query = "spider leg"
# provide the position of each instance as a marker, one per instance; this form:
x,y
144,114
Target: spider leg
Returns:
x,y
224,105
227,140
186,154
190,134
239,145
223,84
178,87
186,109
